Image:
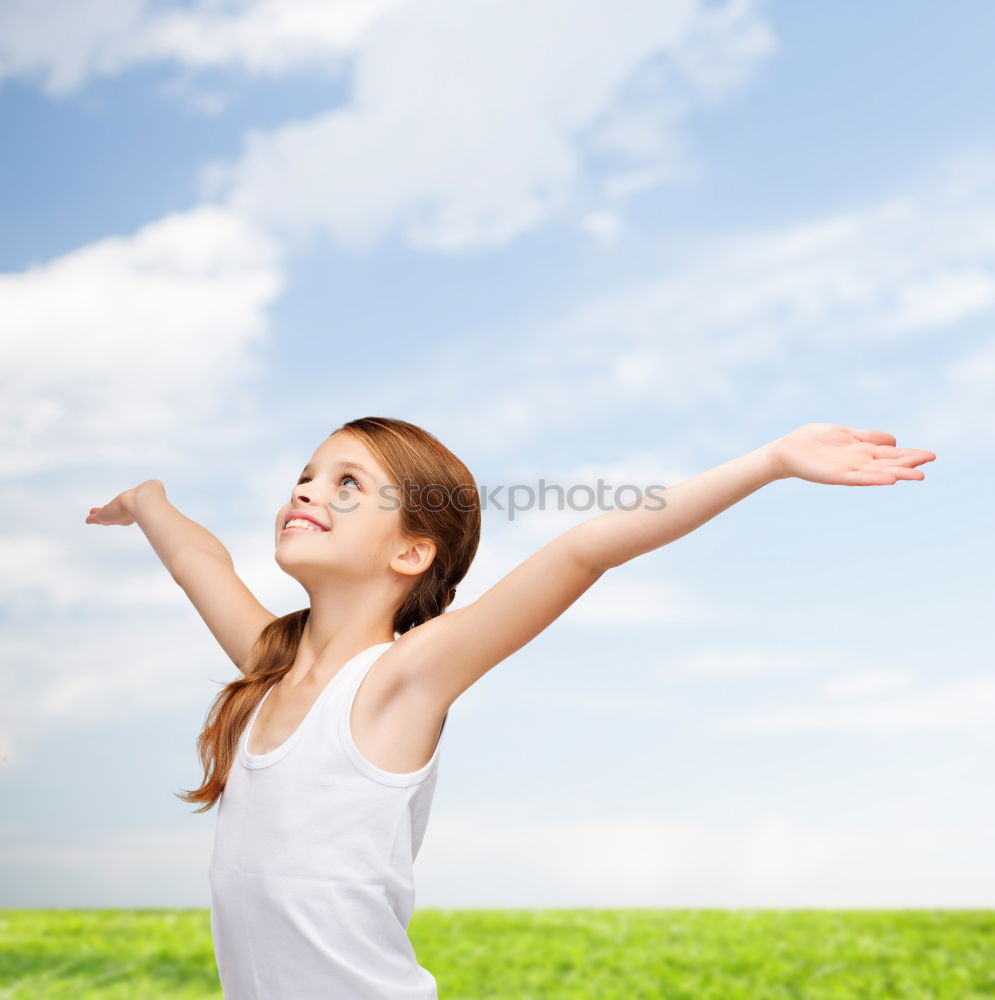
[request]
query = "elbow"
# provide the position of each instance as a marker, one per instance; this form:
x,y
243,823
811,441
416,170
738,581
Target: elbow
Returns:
x,y
586,553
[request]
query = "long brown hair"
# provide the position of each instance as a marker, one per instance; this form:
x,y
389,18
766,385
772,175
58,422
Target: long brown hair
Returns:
x,y
409,455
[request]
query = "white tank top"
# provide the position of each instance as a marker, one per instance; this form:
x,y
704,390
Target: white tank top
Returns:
x,y
312,885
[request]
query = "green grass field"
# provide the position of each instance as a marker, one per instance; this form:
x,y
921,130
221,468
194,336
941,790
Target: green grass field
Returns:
x,y
539,954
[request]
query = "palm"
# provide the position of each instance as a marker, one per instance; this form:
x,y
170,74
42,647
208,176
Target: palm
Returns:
x,y
114,512
843,456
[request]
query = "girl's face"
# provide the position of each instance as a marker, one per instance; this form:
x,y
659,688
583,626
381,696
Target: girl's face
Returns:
x,y
350,496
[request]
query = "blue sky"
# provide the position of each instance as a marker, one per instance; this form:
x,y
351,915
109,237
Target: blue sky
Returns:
x,y
573,240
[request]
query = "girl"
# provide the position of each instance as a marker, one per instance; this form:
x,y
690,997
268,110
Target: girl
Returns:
x,y
322,756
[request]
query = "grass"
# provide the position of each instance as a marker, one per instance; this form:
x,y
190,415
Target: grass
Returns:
x,y
545,954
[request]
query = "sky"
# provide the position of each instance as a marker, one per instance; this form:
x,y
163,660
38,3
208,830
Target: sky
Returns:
x,y
575,241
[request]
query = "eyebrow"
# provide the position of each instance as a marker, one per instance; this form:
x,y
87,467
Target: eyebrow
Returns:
x,y
345,465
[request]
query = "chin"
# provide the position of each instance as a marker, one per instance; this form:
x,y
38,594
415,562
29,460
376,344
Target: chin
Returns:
x,y
297,565
288,563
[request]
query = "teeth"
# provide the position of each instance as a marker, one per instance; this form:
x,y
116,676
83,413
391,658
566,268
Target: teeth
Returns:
x,y
300,522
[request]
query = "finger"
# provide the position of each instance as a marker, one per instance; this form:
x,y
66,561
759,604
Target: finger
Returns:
x,y
904,457
900,472
894,461
873,437
864,477
886,451
919,456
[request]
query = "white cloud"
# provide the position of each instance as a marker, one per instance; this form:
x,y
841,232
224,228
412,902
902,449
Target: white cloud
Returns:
x,y
613,601
603,225
773,860
601,704
941,299
66,43
472,123
38,570
110,345
955,707
962,415
120,868
870,683
103,670
439,139
620,597
268,37
919,265
903,265
749,663
478,858
130,850
63,41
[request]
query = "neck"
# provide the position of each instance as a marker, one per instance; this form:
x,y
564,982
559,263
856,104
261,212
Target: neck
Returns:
x,y
336,629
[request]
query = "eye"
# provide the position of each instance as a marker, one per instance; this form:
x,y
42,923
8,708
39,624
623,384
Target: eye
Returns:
x,y
342,478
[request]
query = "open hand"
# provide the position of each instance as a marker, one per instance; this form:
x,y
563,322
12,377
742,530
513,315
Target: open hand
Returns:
x,y
843,456
121,509
117,511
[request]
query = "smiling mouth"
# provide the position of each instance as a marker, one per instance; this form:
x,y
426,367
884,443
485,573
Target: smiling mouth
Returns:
x,y
304,524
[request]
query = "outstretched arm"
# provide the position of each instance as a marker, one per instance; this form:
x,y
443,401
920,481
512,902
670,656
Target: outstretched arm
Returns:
x,y
820,453
446,655
197,561
170,533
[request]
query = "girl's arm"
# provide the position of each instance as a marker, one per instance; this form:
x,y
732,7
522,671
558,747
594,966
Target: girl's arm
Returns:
x,y
171,534
196,560
820,453
620,535
447,654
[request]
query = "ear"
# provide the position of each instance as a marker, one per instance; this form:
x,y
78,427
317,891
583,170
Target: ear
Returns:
x,y
415,558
